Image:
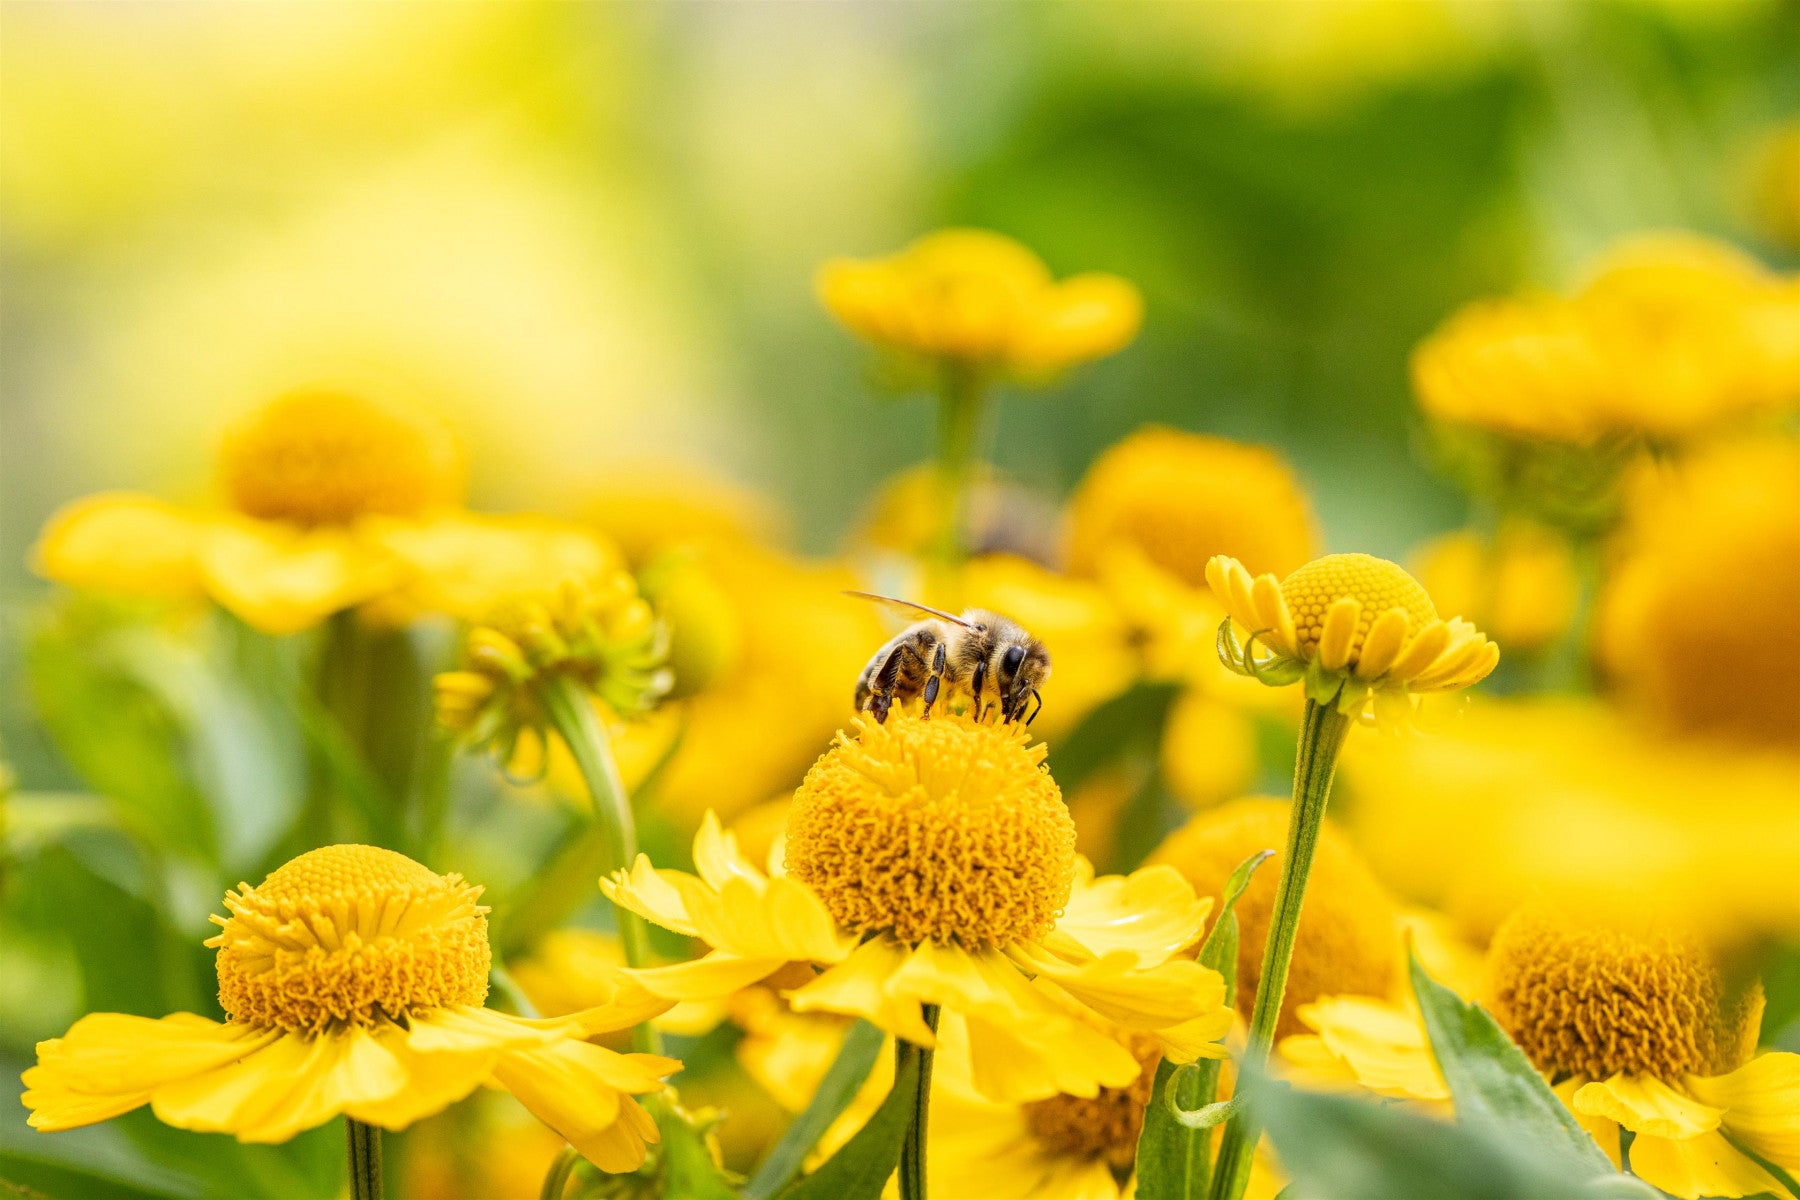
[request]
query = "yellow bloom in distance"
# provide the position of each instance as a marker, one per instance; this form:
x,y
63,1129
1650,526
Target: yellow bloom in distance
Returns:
x,y
933,862
1520,586
353,980
981,299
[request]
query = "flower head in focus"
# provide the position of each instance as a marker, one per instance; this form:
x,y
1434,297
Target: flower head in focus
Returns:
x,y
1638,1030
353,979
933,862
1357,628
605,638
334,501
983,301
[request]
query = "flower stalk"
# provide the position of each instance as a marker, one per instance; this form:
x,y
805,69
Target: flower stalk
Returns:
x,y
1322,732
912,1150
362,1144
574,720
962,405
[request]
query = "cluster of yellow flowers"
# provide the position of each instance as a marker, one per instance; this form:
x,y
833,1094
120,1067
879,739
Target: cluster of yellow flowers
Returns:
x,y
925,881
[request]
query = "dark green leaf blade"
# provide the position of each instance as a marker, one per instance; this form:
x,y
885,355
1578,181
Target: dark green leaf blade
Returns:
x,y
1492,1081
860,1168
855,1059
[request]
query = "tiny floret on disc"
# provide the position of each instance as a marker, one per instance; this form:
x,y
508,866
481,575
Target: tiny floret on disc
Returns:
x,y
1595,1001
1376,584
350,935
934,829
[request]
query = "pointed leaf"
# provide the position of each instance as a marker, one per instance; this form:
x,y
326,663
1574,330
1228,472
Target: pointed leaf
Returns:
x,y
860,1168
855,1059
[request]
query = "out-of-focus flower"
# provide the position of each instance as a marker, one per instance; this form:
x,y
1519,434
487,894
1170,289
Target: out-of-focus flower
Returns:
x,y
1003,517
983,300
1672,336
1696,624
1567,800
604,637
353,980
965,930
1347,942
569,970
1181,498
1520,587
335,501
1357,628
1638,1030
1775,185
487,1149
705,633
1208,749
647,510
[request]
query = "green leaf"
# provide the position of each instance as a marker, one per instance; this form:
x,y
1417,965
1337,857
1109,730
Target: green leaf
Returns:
x,y
1131,720
1173,1149
860,1168
1337,1147
689,1172
1493,1083
855,1059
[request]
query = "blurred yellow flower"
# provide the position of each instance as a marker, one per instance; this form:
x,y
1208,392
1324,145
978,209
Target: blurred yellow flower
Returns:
x,y
1638,1030
352,980
1209,751
1696,623
1181,498
336,501
647,509
983,300
1002,900
1347,943
1672,336
1567,800
905,516
1521,586
1359,629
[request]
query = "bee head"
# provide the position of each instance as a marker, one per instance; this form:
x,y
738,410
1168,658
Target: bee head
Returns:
x,y
1020,669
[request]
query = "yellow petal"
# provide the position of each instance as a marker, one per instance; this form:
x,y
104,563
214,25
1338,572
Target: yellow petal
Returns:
x,y
783,919
465,566
1152,912
718,974
1604,1132
717,858
1466,650
281,579
466,1029
1017,1062
1203,1037
1421,652
109,1063
1170,993
1383,1045
651,894
1705,1165
1338,635
1386,638
1272,615
121,541
858,987
574,1087
1761,1100
1647,1105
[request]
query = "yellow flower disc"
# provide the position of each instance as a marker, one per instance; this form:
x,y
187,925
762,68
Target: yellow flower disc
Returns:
x,y
1349,936
1595,1001
323,457
1106,1126
349,935
937,829
1375,583
1180,498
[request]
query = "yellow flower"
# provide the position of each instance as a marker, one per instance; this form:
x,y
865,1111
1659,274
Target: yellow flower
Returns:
x,y
570,970
1639,1031
905,517
1208,749
336,501
648,509
352,980
982,299
1521,586
1358,628
1696,624
1181,498
1346,944
932,862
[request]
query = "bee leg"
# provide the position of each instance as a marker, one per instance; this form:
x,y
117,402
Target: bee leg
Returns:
x,y
937,678
976,680
1035,711
887,678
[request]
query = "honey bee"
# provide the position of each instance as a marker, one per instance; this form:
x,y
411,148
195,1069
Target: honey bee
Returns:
x,y
976,653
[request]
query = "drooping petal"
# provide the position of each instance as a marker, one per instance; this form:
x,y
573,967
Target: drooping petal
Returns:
x,y
1604,1132
123,542
110,1063
783,919
1203,1037
1705,1165
1016,1063
1170,993
1761,1100
1384,1045
651,894
1458,663
1338,634
1421,652
1647,1105
576,1088
717,857
1273,615
1385,639
282,579
859,987
1152,912
717,974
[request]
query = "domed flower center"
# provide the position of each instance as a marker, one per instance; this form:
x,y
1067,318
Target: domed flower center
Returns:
x,y
350,935
939,829
1595,1002
1375,583
320,457
1106,1126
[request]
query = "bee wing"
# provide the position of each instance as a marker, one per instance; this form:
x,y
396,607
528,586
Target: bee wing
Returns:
x,y
913,607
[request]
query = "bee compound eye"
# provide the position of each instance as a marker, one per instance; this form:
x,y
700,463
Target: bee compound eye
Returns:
x,y
1013,657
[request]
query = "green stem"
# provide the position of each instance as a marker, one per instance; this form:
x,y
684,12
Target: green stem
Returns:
x,y
1567,666
1321,737
362,1144
572,715
912,1151
556,1179
961,405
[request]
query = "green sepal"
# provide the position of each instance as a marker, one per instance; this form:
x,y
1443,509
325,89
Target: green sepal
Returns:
x,y
1322,686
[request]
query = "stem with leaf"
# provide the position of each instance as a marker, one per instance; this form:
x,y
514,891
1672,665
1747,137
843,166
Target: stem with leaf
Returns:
x,y
362,1144
912,1150
1322,733
572,716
